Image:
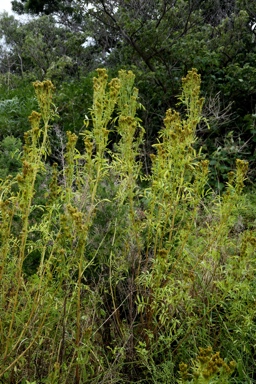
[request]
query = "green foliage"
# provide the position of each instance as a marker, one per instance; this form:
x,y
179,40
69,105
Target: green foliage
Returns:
x,y
120,276
41,48
10,162
163,42
41,6
17,100
160,42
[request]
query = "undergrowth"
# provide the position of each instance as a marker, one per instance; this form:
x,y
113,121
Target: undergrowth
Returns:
x,y
109,275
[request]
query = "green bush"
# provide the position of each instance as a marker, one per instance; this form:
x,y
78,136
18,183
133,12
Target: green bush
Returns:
x,y
10,163
17,101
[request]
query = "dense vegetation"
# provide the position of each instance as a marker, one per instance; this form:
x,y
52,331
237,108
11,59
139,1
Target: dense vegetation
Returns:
x,y
127,236
160,41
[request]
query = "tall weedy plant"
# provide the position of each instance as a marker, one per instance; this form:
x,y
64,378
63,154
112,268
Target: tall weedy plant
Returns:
x,y
135,273
21,302
188,244
41,307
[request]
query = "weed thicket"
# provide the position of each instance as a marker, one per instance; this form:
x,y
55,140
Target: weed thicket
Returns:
x,y
134,272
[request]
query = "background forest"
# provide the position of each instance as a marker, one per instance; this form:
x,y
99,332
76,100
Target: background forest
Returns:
x,y
127,199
